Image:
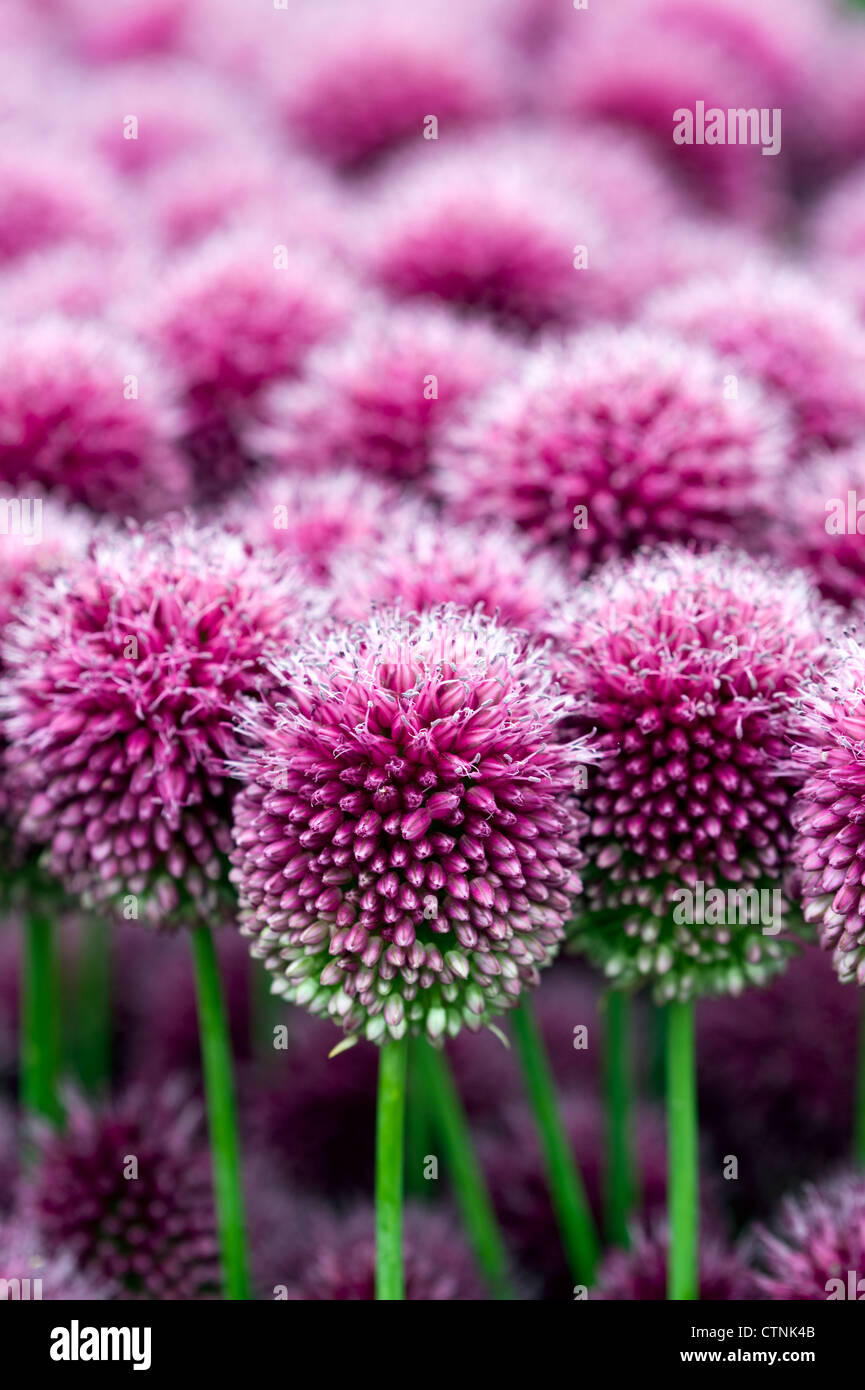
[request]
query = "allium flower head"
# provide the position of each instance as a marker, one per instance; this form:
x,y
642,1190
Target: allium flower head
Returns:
x,y
51,196
379,399
127,29
640,1274
614,441
40,538
428,563
353,90
333,1258
817,1239
477,230
321,522
407,841
787,333
813,528
235,315
688,667
152,1232
85,416
56,1276
828,849
122,678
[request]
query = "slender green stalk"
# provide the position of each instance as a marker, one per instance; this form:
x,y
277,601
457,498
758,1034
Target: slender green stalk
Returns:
x,y
859,1118
222,1118
656,1077
573,1213
467,1178
389,1139
93,1015
620,1187
418,1128
40,1021
682,1180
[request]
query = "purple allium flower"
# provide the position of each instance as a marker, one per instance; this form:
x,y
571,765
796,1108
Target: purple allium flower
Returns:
x,y
640,1274
23,1257
333,1259
126,1189
514,1168
816,525
818,1238
355,89
379,399
51,196
777,1096
828,848
615,441
47,538
122,679
407,841
628,66
687,668
85,416
787,333
475,229
322,521
74,281
431,562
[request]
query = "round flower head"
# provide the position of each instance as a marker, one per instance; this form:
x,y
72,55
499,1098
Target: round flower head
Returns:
x,y
407,840
51,196
379,399
23,1258
687,668
75,281
818,527
817,1239
828,849
84,416
122,679
484,233
785,332
354,90
614,441
332,1258
514,1168
780,1097
640,1274
429,563
39,538
319,523
150,1232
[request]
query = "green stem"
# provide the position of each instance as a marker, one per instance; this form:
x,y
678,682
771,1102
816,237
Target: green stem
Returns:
x,y
859,1118
682,1181
573,1213
418,1130
222,1118
93,1021
469,1186
619,1177
389,1127
39,1021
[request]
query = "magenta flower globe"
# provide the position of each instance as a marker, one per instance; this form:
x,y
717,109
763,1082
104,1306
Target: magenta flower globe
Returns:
x,y
126,1190
688,669
483,232
86,416
321,522
407,840
122,677
429,562
614,441
50,197
819,528
639,1275
380,398
818,1239
829,830
784,331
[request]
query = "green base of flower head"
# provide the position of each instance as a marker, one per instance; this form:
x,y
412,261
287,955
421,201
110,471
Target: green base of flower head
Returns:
x,y
643,944
472,998
165,904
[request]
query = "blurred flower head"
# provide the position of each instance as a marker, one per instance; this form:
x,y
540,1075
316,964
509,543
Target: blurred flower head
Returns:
x,y
817,1238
